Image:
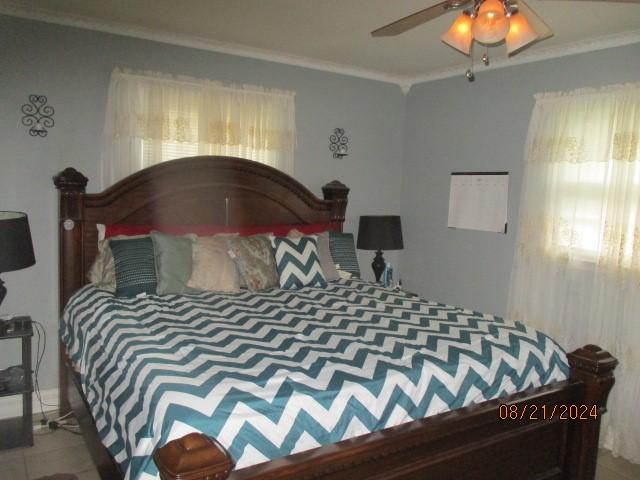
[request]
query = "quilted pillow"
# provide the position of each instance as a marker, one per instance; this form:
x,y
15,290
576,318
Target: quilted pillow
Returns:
x,y
298,262
134,260
254,258
343,252
213,270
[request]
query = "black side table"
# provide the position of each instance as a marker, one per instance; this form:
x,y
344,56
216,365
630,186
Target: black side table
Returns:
x,y
18,432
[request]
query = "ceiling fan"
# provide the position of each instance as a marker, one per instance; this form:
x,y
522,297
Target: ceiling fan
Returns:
x,y
488,22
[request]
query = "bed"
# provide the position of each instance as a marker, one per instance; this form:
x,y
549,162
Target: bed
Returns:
x,y
486,429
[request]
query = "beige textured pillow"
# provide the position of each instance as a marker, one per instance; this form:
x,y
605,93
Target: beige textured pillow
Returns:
x,y
324,253
213,270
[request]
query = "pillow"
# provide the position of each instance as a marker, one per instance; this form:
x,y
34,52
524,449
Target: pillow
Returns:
x,y
98,274
344,275
173,257
298,262
343,252
328,267
213,270
103,271
254,258
134,260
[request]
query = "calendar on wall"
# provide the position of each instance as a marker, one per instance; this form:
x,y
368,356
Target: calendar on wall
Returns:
x,y
478,201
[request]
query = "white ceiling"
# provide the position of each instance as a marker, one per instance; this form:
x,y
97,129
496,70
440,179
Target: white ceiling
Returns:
x,y
333,34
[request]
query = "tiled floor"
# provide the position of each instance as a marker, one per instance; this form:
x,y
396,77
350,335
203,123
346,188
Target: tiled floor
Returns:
x,y
53,452
612,468
64,452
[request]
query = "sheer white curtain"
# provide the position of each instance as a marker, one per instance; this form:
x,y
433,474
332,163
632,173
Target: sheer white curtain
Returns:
x,y
154,117
576,272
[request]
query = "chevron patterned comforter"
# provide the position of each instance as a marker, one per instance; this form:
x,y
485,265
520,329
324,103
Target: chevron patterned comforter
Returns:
x,y
273,373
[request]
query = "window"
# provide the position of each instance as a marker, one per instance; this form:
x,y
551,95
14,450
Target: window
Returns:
x,y
584,196
582,179
576,268
153,118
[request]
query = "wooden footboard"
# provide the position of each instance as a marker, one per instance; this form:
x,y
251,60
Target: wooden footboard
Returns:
x,y
545,433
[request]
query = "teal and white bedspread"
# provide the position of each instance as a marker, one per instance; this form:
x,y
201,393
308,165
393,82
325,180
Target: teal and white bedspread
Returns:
x,y
278,372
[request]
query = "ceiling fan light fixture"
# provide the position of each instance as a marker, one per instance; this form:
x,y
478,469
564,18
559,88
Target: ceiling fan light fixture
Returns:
x,y
491,25
459,35
520,33
541,29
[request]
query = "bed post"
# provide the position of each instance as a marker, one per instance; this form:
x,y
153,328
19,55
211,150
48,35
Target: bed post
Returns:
x,y
194,456
72,185
337,193
594,367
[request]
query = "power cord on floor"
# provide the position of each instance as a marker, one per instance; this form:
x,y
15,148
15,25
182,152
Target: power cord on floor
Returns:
x,y
41,338
46,423
64,425
59,424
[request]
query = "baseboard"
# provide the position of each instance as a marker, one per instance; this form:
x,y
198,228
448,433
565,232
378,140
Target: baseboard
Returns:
x,y
12,406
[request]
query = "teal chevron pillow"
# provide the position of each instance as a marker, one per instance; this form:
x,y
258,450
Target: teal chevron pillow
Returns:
x,y
134,260
343,252
298,263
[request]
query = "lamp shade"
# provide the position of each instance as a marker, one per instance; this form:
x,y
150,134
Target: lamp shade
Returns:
x,y
380,232
16,248
520,33
536,23
459,35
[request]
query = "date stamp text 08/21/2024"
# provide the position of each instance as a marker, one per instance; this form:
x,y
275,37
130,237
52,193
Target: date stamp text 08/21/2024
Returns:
x,y
562,411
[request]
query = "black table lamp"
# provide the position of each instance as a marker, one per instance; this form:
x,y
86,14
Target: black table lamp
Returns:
x,y
16,249
380,232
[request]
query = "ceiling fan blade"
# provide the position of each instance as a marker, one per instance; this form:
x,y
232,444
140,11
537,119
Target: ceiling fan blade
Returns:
x,y
413,20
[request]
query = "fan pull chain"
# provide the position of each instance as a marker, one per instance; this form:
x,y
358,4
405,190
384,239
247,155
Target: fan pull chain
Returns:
x,y
469,73
485,57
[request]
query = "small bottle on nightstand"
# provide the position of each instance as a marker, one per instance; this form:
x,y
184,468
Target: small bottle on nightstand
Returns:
x,y
387,276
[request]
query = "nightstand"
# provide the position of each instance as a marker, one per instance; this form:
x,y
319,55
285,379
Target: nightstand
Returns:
x,y
18,432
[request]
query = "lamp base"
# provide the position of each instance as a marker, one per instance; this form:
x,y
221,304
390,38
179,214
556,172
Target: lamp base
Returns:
x,y
378,265
3,291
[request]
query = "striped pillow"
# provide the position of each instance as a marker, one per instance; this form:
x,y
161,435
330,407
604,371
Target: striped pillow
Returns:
x,y
298,263
134,260
343,252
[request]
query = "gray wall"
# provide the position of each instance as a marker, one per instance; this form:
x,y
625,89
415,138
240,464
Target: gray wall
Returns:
x,y
453,125
72,67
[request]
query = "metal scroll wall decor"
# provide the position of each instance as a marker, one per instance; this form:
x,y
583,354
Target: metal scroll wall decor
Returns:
x,y
38,116
338,143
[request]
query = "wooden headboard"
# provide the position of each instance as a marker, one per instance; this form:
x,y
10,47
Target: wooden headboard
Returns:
x,y
205,190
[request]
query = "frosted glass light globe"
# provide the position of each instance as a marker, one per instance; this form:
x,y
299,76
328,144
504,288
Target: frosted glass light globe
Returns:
x,y
491,25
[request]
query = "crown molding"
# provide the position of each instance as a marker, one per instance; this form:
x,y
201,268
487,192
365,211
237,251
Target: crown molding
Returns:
x,y
538,55
405,82
191,41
